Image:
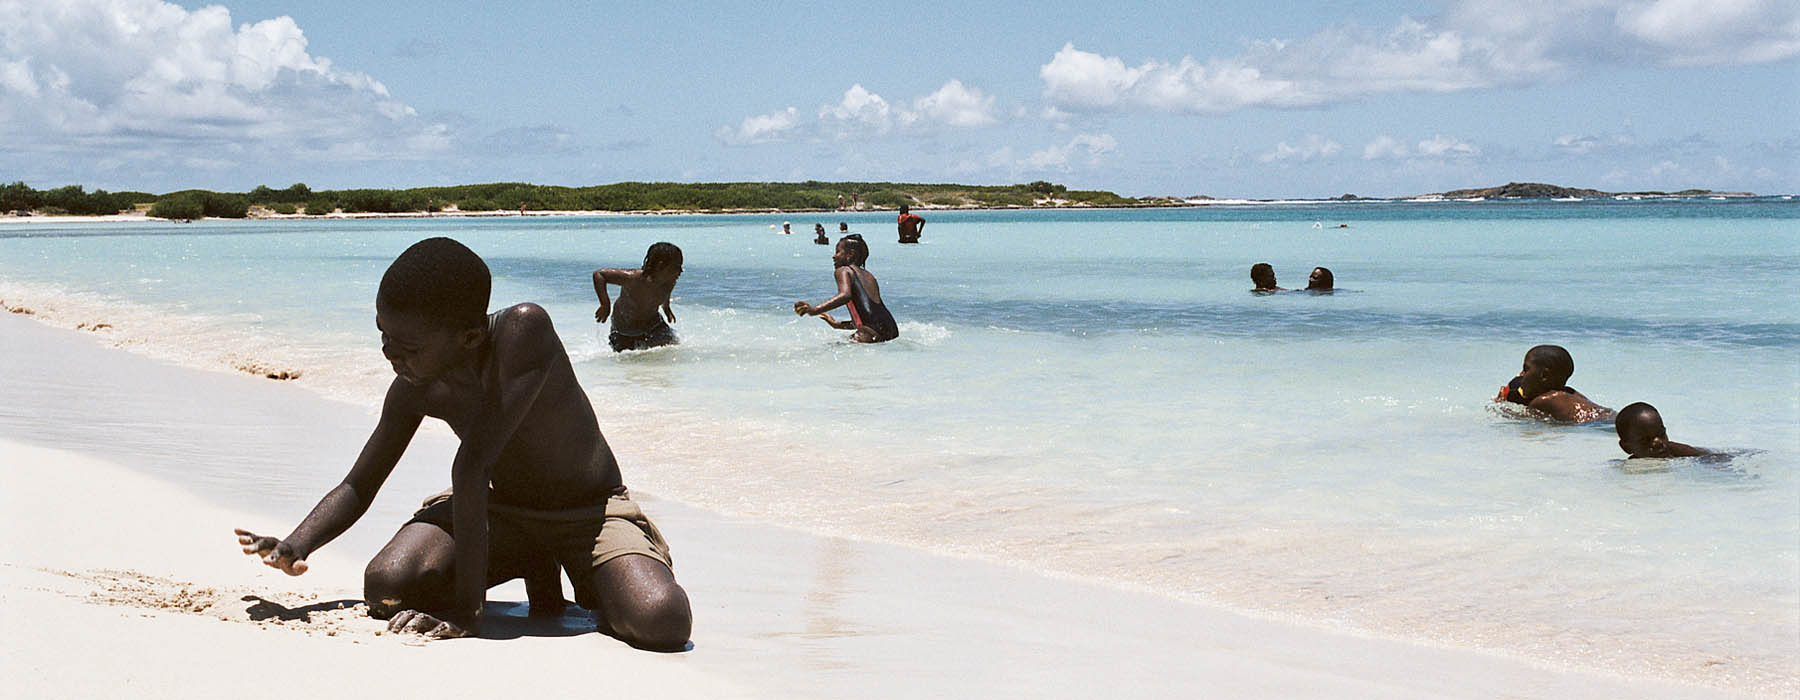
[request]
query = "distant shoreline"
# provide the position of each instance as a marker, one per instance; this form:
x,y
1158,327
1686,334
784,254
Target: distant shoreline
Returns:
x,y
141,214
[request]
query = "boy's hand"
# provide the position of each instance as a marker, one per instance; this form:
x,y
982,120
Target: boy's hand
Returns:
x,y
670,313
601,313
275,553
802,308
422,623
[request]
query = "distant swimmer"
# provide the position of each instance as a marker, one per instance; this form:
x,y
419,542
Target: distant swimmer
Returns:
x,y
787,229
858,291
1541,385
819,236
1319,281
1262,275
635,324
1641,434
912,226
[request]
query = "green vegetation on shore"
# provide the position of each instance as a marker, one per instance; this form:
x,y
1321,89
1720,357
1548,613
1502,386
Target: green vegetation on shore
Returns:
x,y
721,197
508,196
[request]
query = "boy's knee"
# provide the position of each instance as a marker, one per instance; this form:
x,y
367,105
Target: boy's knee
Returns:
x,y
661,620
390,587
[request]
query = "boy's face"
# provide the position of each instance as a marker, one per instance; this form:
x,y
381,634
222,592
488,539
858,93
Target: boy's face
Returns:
x,y
1640,440
666,273
1536,379
420,348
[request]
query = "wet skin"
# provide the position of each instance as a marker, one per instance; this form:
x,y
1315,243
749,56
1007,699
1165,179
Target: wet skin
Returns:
x,y
1543,388
529,438
641,294
1645,437
842,272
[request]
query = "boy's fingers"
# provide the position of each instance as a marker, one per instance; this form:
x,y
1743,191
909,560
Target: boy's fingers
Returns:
x,y
296,567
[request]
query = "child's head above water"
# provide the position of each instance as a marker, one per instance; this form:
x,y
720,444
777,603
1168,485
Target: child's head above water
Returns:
x,y
1263,275
432,308
1319,279
662,258
854,249
1547,368
1641,431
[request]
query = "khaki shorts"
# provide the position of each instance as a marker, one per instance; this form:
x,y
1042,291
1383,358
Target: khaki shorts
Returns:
x,y
578,538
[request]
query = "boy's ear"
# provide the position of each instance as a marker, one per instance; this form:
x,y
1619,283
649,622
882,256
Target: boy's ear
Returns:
x,y
471,338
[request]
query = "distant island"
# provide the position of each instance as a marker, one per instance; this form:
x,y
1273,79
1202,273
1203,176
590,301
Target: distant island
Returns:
x,y
517,198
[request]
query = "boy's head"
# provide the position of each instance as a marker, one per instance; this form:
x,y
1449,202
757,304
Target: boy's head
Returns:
x,y
1319,279
1641,432
663,261
1263,275
851,250
431,307
1547,368
904,208
843,226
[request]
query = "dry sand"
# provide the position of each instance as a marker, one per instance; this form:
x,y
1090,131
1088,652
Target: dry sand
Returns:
x,y
119,577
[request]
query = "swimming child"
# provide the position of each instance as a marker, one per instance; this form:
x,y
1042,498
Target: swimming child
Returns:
x,y
819,236
1319,281
1262,275
534,484
1541,385
858,290
635,325
1641,434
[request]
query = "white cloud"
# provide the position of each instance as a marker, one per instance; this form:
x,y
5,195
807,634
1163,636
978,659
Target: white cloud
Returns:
x,y
1313,147
151,80
1384,148
1087,148
861,114
774,126
954,105
1438,147
1665,167
1474,44
1441,146
1711,32
860,111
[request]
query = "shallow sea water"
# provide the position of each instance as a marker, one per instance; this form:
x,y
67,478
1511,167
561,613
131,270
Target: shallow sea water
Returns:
x,y
1097,394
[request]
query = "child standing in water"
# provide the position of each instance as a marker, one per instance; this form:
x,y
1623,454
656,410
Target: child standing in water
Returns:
x,y
534,484
635,324
858,290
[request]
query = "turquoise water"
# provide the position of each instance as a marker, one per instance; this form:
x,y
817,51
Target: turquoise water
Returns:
x,y
1096,394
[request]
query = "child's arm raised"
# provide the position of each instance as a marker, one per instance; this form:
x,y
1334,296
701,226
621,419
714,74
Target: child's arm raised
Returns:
x,y
344,504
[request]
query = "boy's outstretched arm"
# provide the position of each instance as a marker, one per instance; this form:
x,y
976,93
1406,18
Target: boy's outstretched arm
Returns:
x,y
841,298
345,503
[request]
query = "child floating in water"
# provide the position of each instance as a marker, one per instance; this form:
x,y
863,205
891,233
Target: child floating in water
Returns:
x,y
635,325
858,290
534,483
1262,275
1641,434
1541,385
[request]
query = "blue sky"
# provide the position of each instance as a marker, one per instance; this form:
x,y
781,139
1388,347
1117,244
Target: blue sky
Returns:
x,y
1230,99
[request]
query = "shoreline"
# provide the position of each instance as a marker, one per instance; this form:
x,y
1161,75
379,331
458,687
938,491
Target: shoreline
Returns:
x,y
141,217
864,619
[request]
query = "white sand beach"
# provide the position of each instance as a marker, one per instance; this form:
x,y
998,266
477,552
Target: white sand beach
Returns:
x,y
119,577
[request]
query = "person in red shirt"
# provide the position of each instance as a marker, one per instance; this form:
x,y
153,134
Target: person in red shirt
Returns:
x,y
911,225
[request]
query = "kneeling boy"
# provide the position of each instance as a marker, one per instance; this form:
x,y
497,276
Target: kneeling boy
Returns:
x,y
534,482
